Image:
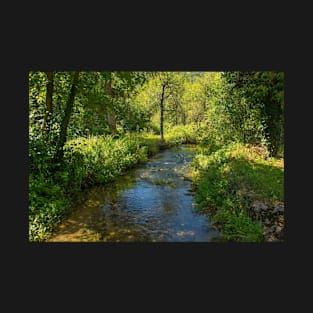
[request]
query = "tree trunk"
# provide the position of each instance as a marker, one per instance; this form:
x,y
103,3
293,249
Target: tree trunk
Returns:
x,y
66,119
184,118
49,95
110,114
176,112
162,113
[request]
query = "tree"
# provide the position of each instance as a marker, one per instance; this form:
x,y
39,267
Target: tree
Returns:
x,y
110,113
194,99
119,87
263,91
166,85
66,119
49,95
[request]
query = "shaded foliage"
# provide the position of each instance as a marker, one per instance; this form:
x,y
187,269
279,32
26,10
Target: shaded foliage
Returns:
x,y
264,92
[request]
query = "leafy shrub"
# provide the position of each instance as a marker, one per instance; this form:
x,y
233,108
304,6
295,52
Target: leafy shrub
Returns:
x,y
99,159
47,205
182,134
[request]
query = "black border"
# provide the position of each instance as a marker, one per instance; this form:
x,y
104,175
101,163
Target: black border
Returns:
x,y
245,264
146,249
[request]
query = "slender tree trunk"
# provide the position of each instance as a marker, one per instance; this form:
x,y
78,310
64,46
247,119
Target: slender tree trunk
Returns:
x,y
66,119
184,118
49,95
162,113
110,114
176,112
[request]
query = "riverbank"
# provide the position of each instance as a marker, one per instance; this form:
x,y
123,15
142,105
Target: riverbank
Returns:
x,y
242,189
91,161
238,185
152,202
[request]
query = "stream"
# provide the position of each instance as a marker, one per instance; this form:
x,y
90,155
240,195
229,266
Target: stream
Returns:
x,y
150,203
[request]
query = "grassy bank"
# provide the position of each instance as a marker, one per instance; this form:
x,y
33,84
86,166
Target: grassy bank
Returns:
x,y
229,179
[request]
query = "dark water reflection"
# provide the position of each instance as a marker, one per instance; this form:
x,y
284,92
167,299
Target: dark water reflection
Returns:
x,y
153,203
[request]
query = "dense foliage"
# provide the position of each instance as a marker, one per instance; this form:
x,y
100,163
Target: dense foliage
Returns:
x,y
264,94
86,128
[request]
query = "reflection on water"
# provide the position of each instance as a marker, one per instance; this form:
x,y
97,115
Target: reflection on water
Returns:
x,y
152,203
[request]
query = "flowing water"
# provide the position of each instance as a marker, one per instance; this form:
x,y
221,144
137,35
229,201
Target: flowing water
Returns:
x,y
151,203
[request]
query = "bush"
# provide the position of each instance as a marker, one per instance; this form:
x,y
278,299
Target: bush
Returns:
x,y
47,205
96,160
182,134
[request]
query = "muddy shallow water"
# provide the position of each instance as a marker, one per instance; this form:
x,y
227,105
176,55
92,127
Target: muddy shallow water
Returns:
x,y
151,203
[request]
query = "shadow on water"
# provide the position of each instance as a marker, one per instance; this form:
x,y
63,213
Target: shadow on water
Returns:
x,y
152,203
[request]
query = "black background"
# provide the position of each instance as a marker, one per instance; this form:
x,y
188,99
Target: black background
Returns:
x,y
167,276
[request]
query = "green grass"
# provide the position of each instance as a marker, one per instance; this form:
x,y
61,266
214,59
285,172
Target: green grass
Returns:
x,y
228,179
